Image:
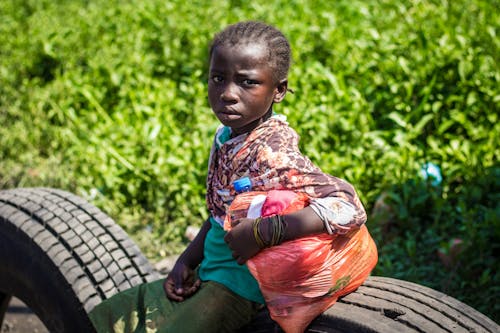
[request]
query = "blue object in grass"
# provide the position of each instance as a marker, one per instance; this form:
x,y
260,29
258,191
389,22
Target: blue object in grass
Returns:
x,y
432,172
242,185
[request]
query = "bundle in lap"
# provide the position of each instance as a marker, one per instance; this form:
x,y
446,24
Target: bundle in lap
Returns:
x,y
302,278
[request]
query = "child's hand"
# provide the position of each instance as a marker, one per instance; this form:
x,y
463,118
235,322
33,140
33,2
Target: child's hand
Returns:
x,y
181,282
241,240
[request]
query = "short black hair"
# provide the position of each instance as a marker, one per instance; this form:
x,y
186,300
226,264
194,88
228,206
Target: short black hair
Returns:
x,y
258,32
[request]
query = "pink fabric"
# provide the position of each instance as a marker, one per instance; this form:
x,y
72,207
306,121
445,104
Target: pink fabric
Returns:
x,y
277,201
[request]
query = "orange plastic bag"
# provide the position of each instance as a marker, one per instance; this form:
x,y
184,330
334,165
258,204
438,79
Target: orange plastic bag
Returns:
x,y
302,278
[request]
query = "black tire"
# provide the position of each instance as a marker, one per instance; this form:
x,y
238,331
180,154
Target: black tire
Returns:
x,y
62,256
390,305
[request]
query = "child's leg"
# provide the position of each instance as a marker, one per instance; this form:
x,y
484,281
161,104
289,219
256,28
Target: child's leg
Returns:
x,y
145,308
214,308
139,309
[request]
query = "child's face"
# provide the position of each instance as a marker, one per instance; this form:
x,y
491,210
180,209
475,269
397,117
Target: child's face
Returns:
x,y
241,87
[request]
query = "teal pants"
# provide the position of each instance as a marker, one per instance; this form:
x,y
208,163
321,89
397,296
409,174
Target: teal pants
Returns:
x,y
145,308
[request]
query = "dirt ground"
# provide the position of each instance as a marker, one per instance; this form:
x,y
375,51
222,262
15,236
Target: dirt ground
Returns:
x,y
20,319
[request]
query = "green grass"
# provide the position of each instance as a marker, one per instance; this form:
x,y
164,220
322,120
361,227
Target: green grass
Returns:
x,y
107,99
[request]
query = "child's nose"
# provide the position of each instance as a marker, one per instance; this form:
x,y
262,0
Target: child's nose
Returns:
x,y
229,93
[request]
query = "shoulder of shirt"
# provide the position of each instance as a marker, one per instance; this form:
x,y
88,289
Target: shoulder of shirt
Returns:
x,y
288,130
280,117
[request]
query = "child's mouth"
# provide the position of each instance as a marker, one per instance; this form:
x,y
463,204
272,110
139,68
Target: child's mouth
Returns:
x,y
228,115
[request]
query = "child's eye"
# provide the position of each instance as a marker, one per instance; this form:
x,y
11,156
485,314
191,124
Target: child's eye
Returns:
x,y
249,82
217,78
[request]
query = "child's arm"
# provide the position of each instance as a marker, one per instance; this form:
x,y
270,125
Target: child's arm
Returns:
x,y
241,239
181,282
334,200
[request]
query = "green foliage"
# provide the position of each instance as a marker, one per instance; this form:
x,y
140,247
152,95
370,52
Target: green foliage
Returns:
x,y
108,99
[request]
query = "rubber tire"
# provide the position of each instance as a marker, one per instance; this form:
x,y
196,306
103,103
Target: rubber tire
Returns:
x,y
62,256
389,305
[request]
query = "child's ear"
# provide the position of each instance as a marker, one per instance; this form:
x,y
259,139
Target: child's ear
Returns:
x,y
280,91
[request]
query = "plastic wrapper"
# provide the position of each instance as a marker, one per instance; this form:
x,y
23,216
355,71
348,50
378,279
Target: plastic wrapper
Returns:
x,y
302,278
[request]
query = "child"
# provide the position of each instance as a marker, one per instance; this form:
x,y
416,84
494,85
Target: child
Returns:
x,y
210,288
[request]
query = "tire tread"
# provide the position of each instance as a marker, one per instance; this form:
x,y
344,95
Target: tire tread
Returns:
x,y
70,230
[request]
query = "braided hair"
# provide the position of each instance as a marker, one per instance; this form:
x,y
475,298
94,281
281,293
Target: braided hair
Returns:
x,y
258,32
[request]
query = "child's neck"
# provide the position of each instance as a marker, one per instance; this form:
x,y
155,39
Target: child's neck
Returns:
x,y
263,119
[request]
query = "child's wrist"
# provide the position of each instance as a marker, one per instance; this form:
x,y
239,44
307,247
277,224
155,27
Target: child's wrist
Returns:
x,y
277,226
269,231
259,232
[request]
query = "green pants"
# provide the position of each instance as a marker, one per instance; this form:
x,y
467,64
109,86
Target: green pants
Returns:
x,y
145,308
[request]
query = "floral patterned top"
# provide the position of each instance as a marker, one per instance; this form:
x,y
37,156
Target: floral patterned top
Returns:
x,y
270,157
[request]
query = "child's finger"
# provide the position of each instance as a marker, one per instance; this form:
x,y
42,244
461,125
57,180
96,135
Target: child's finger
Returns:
x,y
191,290
240,260
234,223
179,290
170,291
